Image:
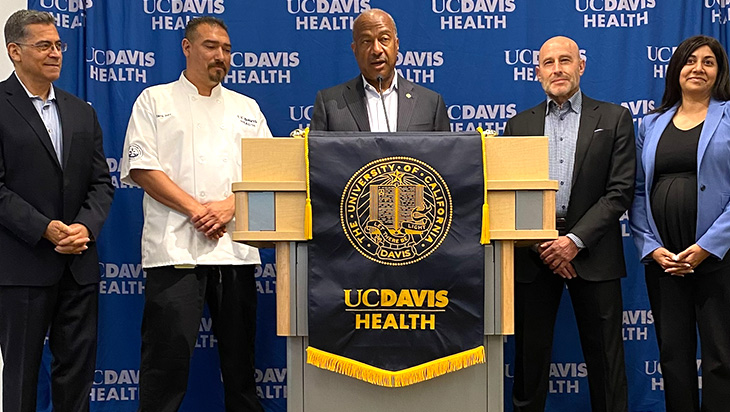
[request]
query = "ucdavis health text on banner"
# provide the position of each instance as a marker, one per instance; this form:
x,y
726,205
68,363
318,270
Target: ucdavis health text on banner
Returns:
x,y
479,54
396,270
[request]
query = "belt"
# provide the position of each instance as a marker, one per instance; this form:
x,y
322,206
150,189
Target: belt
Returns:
x,y
560,225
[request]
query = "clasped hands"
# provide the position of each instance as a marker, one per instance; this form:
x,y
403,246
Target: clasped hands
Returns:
x,y
211,218
683,262
557,255
69,239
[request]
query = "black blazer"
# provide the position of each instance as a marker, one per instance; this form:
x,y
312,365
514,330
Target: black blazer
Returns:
x,y
603,187
344,108
35,189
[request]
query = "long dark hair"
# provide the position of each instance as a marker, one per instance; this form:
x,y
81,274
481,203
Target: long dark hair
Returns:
x,y
672,90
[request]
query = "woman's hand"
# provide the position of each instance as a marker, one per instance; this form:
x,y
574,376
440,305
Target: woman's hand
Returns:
x,y
693,255
670,262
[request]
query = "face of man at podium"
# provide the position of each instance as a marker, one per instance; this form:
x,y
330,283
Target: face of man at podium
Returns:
x,y
375,45
560,68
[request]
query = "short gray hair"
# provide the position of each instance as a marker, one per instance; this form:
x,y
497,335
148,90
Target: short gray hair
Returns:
x,y
15,27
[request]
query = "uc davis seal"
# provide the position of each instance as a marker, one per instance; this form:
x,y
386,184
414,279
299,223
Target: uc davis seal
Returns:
x,y
396,210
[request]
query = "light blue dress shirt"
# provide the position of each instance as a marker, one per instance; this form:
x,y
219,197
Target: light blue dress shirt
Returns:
x,y
561,128
48,111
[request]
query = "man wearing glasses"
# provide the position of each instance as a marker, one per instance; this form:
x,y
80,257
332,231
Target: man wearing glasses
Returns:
x,y
55,193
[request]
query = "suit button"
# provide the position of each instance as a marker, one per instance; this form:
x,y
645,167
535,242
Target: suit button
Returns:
x,y
702,188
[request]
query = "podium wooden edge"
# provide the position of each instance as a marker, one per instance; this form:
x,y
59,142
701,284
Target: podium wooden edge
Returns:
x,y
283,289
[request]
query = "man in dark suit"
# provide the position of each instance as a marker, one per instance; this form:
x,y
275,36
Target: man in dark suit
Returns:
x,y
55,193
592,156
357,105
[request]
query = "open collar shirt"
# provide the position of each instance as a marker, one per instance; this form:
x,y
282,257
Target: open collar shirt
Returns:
x,y
376,114
48,111
561,128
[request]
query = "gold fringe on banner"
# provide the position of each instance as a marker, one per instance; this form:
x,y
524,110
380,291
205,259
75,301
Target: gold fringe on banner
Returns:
x,y
308,201
394,379
485,238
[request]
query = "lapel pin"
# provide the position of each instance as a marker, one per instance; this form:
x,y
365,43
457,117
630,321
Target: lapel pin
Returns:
x,y
408,95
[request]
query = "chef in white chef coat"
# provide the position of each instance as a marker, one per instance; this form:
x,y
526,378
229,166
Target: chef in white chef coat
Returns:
x,y
183,148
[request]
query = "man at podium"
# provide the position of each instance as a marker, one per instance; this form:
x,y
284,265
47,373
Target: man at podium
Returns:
x,y
379,99
592,156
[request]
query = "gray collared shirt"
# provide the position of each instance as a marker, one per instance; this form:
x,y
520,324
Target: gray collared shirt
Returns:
x,y
48,111
561,128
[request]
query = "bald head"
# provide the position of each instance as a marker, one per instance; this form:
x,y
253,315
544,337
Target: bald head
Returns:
x,y
565,43
370,17
560,68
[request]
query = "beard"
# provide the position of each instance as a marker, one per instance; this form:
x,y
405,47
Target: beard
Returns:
x,y
217,75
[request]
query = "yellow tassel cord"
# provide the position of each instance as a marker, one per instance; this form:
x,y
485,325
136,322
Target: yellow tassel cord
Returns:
x,y
391,379
485,238
308,201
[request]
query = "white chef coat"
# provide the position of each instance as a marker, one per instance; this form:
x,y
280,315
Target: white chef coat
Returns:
x,y
195,140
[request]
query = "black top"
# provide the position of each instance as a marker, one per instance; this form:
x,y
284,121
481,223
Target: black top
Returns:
x,y
674,192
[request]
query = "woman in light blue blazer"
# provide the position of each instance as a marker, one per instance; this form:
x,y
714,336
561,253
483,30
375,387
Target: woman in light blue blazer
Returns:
x,y
680,221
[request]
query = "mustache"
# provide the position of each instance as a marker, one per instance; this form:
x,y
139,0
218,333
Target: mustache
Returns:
x,y
217,64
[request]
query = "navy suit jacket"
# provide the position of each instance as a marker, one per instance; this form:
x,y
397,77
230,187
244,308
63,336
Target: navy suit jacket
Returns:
x,y
35,188
713,181
344,108
602,187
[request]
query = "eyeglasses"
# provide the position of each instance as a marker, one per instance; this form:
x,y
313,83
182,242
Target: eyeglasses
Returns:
x,y
45,46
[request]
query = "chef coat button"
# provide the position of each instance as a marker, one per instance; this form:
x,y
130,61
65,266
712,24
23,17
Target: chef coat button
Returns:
x,y
202,194
223,127
202,159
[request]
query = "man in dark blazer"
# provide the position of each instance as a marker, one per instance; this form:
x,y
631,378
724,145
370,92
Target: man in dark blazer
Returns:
x,y
55,193
356,105
592,155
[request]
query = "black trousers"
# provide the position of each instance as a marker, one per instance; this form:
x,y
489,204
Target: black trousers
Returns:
x,y
598,311
174,300
67,312
682,306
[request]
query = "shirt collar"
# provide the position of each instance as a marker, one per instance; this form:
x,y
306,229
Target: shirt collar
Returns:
x,y
576,103
190,87
51,92
393,85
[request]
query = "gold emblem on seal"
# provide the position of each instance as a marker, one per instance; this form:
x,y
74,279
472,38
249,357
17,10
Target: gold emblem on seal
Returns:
x,y
396,210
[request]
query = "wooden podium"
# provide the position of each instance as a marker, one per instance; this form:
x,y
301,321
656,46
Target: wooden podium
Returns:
x,y
270,203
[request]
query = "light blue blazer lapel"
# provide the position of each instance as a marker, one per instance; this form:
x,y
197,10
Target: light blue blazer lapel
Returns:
x,y
651,140
712,120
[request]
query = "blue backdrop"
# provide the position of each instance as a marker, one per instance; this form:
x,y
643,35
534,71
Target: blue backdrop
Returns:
x,y
479,54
